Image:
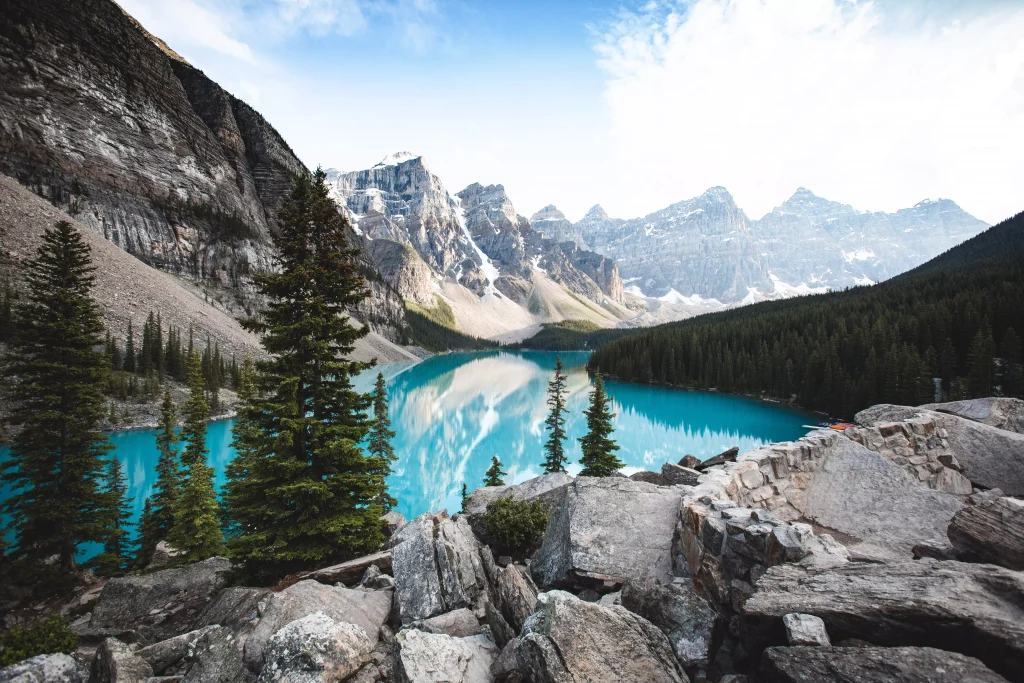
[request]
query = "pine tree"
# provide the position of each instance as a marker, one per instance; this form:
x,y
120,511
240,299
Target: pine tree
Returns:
x,y
309,494
599,459
168,481
379,446
116,553
493,476
555,459
465,497
56,462
129,350
980,364
195,531
149,535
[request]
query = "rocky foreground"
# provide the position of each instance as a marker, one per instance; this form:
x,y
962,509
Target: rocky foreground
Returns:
x,y
893,551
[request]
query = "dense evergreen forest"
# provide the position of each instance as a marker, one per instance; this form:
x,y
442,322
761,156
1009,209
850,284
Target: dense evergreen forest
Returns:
x,y
426,331
573,335
958,317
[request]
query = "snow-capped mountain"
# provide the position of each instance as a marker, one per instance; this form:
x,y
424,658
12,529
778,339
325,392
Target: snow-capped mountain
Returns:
x,y
705,252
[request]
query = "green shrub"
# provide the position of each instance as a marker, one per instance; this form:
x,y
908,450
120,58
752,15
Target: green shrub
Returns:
x,y
515,526
48,637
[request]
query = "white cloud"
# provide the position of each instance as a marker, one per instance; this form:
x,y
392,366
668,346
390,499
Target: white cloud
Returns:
x,y
763,96
186,25
320,17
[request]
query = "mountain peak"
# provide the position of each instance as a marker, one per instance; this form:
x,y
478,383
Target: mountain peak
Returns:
x,y
396,159
717,193
596,213
548,213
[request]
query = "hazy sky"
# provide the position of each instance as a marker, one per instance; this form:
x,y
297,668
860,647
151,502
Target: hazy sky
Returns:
x,y
637,105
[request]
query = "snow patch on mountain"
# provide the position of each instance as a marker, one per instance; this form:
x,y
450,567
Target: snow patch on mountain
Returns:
x,y
785,291
396,158
488,268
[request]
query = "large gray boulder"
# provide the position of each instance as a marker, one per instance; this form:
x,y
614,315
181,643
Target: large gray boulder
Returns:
x,y
315,649
1001,413
216,659
168,653
234,607
547,489
118,662
974,609
682,615
515,595
437,566
569,640
55,668
990,532
609,530
458,623
989,457
865,495
160,605
366,609
874,664
677,474
437,658
349,573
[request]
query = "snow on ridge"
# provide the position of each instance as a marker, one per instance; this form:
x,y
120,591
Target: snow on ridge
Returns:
x,y
396,158
784,290
490,271
674,297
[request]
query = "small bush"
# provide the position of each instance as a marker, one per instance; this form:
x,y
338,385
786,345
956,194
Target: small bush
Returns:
x,y
51,636
515,526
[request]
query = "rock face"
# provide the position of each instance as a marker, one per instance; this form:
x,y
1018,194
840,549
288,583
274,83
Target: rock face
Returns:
x,y
1001,413
349,573
216,659
45,669
160,605
568,639
315,649
977,610
609,530
876,664
685,617
548,489
434,658
167,653
117,662
805,629
437,567
991,532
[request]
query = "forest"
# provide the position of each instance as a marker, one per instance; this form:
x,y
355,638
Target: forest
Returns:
x,y
957,318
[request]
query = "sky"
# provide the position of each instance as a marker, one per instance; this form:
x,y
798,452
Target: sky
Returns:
x,y
635,105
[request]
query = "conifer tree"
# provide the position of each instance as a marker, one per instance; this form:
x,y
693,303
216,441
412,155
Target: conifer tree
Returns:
x,y
309,495
980,363
149,535
116,553
56,462
129,350
168,481
465,497
379,446
599,459
493,476
555,459
195,531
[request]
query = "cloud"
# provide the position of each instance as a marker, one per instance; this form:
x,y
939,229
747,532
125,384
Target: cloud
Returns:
x,y
186,25
852,99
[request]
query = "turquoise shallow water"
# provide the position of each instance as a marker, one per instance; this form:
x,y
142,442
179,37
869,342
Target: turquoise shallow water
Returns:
x,y
451,413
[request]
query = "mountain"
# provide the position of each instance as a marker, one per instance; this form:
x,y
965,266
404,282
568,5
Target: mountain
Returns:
x,y
472,254
706,252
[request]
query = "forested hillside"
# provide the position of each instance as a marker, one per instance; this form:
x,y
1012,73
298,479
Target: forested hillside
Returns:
x,y
958,317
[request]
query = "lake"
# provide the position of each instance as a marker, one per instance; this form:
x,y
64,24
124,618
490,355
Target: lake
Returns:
x,y
452,412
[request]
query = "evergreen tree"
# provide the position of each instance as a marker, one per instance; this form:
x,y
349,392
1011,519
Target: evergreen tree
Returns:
x,y
149,535
168,481
116,553
56,462
7,296
465,497
555,459
980,363
195,531
379,447
129,350
305,493
599,459
493,476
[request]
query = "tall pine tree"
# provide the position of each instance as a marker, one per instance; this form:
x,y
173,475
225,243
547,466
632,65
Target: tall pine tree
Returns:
x,y
306,494
599,459
56,462
116,554
158,525
554,460
195,530
494,475
379,446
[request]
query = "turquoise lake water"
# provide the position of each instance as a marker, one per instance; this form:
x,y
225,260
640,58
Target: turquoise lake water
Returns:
x,y
451,413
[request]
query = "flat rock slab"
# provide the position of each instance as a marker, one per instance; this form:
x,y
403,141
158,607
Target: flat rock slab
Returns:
x,y
991,532
974,609
610,529
349,573
687,619
865,495
436,658
874,664
45,669
315,649
990,457
1001,413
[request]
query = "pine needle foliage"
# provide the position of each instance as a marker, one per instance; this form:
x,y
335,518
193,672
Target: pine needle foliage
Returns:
x,y
116,555
303,492
379,446
554,449
599,459
56,463
157,525
494,475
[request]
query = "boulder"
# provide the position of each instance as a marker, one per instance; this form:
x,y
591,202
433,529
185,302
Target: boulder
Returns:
x,y
677,474
366,609
216,659
936,550
160,605
547,488
1001,413
515,595
875,664
720,459
118,662
164,555
46,669
974,609
507,668
437,567
237,608
990,457
648,477
458,624
805,629
865,495
682,615
350,572
436,658
375,580
992,532
165,654
315,649
692,461
393,521
569,640
608,530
